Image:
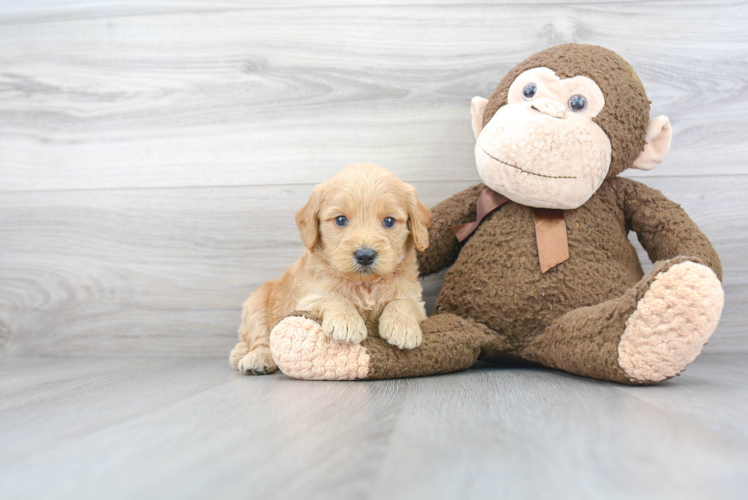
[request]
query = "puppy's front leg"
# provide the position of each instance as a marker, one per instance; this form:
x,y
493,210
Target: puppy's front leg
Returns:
x,y
399,323
340,319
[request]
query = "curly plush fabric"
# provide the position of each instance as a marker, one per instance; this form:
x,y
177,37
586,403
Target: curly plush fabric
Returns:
x,y
671,323
301,350
595,314
449,344
626,113
496,278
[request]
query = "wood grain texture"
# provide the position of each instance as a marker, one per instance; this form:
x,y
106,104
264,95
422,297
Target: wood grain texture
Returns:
x,y
164,271
153,153
192,428
87,8
162,94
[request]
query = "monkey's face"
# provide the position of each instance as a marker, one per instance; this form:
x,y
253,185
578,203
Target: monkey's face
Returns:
x,y
542,149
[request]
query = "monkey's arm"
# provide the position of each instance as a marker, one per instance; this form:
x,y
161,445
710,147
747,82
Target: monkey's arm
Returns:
x,y
443,245
662,226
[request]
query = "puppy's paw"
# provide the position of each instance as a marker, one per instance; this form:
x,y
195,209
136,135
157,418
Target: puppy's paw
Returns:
x,y
237,353
400,330
344,326
257,362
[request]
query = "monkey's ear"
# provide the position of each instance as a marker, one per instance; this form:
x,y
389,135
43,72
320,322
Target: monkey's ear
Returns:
x,y
477,107
659,135
419,217
307,220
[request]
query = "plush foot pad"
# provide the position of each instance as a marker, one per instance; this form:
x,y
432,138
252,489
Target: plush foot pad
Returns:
x,y
303,351
671,323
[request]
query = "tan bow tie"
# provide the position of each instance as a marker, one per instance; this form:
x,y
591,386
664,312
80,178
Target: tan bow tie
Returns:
x,y
550,228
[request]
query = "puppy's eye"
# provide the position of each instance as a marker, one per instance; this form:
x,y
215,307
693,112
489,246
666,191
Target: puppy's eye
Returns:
x,y
388,222
341,221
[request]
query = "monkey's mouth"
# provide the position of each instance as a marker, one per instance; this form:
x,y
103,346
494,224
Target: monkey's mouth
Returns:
x,y
527,172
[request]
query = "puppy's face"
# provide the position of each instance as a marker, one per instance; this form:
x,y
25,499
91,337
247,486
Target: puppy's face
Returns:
x,y
363,221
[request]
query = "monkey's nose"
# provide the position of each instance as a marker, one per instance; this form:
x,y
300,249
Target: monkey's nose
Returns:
x,y
365,256
549,107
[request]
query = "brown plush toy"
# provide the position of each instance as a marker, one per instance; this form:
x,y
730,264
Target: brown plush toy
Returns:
x,y
541,267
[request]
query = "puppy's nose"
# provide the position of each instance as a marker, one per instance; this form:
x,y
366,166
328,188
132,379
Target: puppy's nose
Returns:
x,y
365,256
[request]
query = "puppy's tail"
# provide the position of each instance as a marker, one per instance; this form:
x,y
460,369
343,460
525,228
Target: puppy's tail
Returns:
x,y
237,353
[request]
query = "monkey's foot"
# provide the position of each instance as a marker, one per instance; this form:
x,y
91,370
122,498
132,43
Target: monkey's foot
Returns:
x,y
302,350
671,323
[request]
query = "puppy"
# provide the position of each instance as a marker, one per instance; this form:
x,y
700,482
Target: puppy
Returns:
x,y
358,273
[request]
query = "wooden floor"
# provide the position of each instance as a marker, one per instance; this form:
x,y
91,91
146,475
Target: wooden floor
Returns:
x,y
192,428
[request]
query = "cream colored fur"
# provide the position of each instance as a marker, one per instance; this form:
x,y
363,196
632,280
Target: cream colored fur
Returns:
x,y
326,280
671,323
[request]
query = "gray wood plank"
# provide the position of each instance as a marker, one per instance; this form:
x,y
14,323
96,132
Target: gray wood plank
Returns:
x,y
716,379
77,396
541,435
486,432
31,9
164,271
117,95
160,271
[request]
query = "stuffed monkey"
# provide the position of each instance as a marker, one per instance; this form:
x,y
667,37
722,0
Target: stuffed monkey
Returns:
x,y
541,266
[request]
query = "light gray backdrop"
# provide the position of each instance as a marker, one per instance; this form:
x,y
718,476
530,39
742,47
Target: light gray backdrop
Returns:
x,y
152,156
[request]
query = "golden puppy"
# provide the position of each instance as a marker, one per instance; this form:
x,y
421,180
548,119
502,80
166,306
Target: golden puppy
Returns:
x,y
361,230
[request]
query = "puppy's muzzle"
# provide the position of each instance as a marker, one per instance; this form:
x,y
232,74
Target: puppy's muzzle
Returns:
x,y
365,256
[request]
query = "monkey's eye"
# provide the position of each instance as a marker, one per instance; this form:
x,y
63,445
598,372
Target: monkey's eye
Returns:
x,y
577,103
388,222
341,221
529,91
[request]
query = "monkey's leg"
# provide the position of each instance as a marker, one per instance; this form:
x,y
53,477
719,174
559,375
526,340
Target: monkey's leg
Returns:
x,y
649,334
449,344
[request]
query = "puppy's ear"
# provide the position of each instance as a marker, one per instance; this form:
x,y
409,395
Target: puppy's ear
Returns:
x,y
418,221
307,220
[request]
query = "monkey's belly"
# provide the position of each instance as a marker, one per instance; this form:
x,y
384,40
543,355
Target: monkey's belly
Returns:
x,y
496,279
